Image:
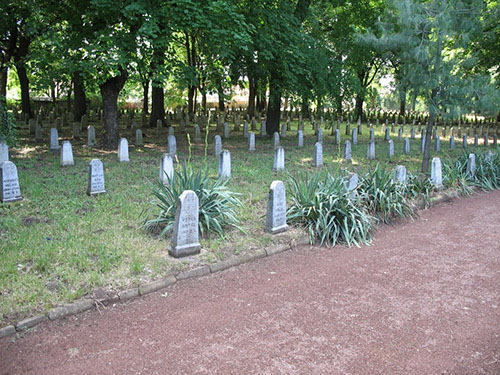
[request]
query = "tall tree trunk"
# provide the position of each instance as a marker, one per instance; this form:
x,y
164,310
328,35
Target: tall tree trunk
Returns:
x,y
359,106
4,72
68,100
304,107
110,90
274,106
25,89
191,91
80,102
220,92
157,105
402,103
252,90
145,100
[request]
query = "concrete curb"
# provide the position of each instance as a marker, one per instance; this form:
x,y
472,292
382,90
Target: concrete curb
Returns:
x,y
85,304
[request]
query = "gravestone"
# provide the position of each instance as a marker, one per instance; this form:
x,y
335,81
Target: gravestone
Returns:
x,y
263,132
486,139
347,129
370,153
372,134
276,209
185,239
38,133
123,151
217,145
390,148
400,133
387,134
67,154
166,169
96,178
225,164
436,172
360,129
471,165
91,141
9,182
347,151
245,129
172,146
354,137
54,139
300,138
488,156
476,140
437,144
412,132
406,146
226,130
139,142
276,140
353,182
279,159
337,136
76,131
283,130
318,155
452,142
319,136
251,141
197,133
159,124
422,142
4,152
171,130
464,141
401,174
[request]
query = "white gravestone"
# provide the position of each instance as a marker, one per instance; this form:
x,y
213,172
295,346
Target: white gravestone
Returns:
x,y
172,145
437,144
436,172
452,143
401,174
263,131
217,145
226,130
251,141
91,142
166,169
354,136
276,208
4,152
54,139
347,151
318,154
390,148
67,154
300,138
96,178
123,151
370,153
471,165
279,159
225,164
139,141
406,146
283,130
276,140
245,129
353,182
171,130
9,182
185,239
337,136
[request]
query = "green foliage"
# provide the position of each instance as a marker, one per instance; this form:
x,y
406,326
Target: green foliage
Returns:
x,y
218,206
8,129
418,186
383,196
322,204
455,175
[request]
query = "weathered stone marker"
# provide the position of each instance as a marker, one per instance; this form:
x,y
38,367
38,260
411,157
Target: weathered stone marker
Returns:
x,y
437,144
166,169
245,129
471,165
9,182
318,155
347,151
276,209
353,182
159,124
283,130
4,152
276,140
172,145
123,151
263,132
185,239
401,174
139,141
67,154
452,142
171,130
197,133
91,142
370,153
251,141
217,145
225,164
390,148
96,178
54,139
354,137
300,138
337,136
279,159
38,133
387,134
406,146
226,130
372,134
436,172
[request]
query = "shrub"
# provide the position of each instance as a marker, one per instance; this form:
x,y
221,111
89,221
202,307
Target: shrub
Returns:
x,y
218,205
8,130
455,175
382,196
322,204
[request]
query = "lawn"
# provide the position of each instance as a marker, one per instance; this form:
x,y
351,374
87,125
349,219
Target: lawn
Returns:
x,y
59,244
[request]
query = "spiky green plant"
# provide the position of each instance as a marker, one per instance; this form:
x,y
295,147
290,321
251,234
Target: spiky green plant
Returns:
x,y
418,186
322,204
218,206
383,196
455,175
487,176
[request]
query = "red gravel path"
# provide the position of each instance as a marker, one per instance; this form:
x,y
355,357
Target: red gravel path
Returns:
x,y
424,299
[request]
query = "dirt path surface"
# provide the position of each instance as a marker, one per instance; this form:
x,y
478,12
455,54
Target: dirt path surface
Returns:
x,y
423,299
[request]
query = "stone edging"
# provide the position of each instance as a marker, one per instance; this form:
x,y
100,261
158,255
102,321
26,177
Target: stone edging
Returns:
x,y
85,304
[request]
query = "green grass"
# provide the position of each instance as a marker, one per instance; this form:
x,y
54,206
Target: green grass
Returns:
x,y
58,244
